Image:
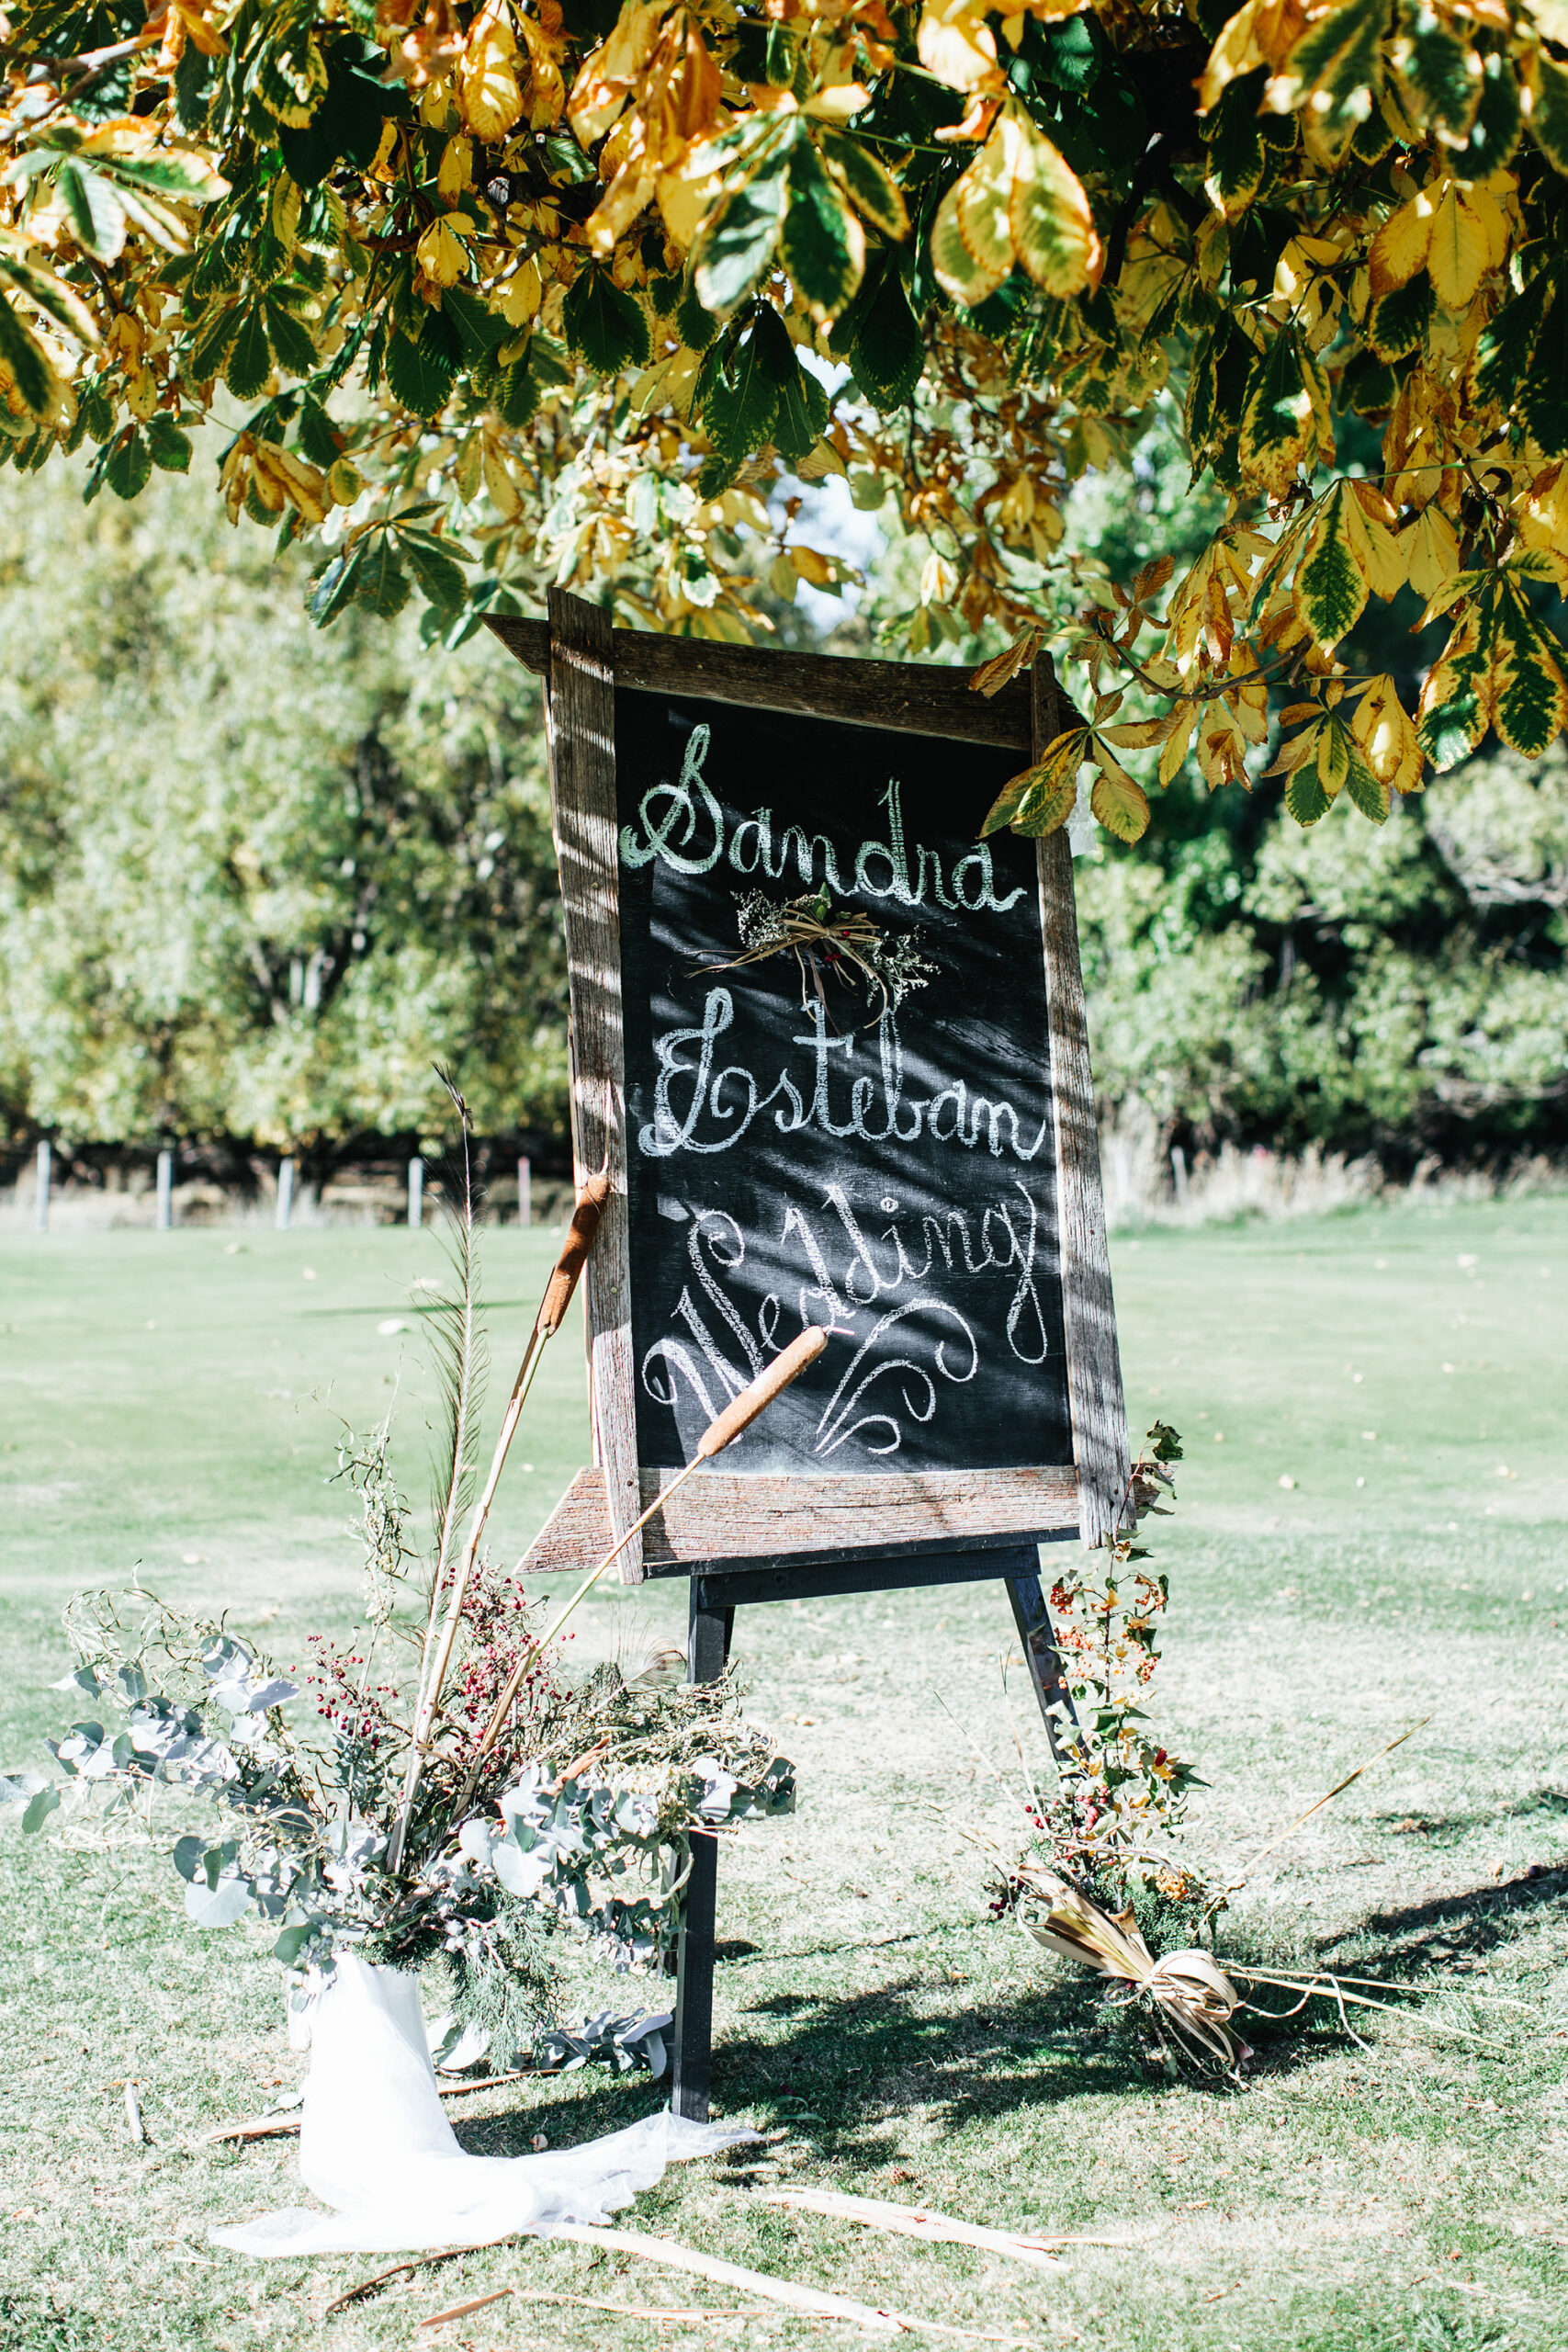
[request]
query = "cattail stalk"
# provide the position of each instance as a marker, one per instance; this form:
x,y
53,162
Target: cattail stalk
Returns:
x,y
579,1239
738,1415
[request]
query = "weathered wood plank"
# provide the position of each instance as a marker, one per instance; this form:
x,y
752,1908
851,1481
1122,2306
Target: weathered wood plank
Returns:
x,y
913,697
720,1516
1094,1364
581,716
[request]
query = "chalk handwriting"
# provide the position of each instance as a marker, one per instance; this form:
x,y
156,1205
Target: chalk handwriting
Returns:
x,y
682,826
699,1108
921,1338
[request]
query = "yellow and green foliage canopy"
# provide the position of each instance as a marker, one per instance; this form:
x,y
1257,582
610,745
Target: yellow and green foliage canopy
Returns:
x,y
483,296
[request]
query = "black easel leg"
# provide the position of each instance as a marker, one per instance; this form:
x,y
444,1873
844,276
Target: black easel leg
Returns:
x,y
1034,1622
706,1653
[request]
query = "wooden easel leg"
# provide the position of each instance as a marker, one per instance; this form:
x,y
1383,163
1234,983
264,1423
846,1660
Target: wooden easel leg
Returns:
x,y
1032,1619
706,1653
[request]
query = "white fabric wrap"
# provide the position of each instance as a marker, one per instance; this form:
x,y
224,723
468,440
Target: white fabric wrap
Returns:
x,y
375,2145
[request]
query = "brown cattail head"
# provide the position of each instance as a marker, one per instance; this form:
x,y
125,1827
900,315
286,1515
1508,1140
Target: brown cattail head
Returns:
x,y
770,1382
579,1241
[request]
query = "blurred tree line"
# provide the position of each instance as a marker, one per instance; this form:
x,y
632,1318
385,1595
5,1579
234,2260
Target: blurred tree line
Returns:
x,y
255,881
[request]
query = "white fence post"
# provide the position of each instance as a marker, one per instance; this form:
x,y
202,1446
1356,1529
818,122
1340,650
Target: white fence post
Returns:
x,y
416,1193
525,1194
284,1193
41,1192
165,1190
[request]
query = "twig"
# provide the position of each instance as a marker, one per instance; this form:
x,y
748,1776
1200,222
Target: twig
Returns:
x,y
584,2302
1339,1786
133,2116
760,2282
918,2222
278,2127
410,2262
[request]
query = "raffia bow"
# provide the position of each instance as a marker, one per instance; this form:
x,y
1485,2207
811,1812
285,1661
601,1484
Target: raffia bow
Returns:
x,y
1193,1991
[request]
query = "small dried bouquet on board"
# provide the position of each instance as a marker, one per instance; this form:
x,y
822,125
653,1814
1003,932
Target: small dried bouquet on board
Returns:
x,y
437,1783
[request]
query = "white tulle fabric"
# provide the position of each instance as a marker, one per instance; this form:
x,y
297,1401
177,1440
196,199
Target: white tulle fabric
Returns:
x,y
375,2145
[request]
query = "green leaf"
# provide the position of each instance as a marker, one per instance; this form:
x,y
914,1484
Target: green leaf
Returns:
x,y
1278,430
383,584
440,579
211,346
1503,353
1236,153
417,377
53,296
1543,400
319,439
1367,793
289,76
130,466
802,413
738,244
249,362
95,212
1335,68
1399,320
347,123
1369,385
38,1809
24,358
1549,118
1438,71
1528,701
517,394
1048,216
889,352
292,342
338,586
171,448
293,1941
1305,796
696,326
823,245
867,183
744,382
605,328
1331,593
1499,123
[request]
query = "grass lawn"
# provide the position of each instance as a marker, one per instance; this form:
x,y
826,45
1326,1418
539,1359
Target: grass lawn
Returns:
x,y
168,1401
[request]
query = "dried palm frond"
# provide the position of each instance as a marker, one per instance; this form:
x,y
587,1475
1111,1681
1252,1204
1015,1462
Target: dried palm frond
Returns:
x,y
1193,1992
890,965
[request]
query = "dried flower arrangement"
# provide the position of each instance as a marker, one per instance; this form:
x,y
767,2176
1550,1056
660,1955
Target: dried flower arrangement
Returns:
x,y
453,1789
1096,1876
839,943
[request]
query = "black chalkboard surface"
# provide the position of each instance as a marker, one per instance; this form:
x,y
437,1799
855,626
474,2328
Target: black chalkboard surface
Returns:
x,y
799,1150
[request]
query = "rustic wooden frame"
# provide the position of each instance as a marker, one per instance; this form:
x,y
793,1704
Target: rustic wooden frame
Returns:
x,y
722,1517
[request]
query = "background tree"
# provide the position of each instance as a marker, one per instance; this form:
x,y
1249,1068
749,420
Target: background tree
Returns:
x,y
253,883
480,295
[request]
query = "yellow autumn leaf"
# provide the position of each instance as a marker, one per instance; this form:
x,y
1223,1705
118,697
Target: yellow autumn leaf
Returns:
x,y
455,170
1120,805
1049,218
1432,551
440,253
1401,245
957,45
1456,260
499,483
522,294
1386,733
1264,32
1173,751
1378,553
971,236
489,94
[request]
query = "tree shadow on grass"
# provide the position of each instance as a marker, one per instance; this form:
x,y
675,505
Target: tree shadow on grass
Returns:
x,y
1471,1925
1543,1806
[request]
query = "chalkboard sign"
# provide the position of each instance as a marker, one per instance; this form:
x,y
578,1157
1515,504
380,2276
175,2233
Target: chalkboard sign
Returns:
x,y
802,1147
890,1133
